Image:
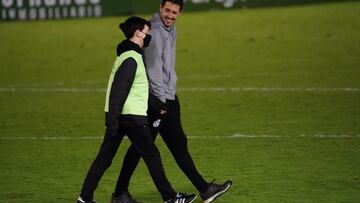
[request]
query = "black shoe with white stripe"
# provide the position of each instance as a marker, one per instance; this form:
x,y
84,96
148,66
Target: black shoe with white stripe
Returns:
x,y
214,191
80,200
182,198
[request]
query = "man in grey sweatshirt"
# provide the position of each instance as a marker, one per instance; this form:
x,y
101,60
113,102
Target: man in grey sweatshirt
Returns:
x,y
164,106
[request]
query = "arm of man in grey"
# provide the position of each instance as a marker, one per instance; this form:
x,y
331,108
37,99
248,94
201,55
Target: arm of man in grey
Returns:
x,y
154,65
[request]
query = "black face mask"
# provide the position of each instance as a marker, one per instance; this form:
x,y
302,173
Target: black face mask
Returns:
x,y
147,40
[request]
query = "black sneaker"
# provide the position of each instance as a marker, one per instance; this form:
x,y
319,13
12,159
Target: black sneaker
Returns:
x,y
80,200
123,198
182,198
214,191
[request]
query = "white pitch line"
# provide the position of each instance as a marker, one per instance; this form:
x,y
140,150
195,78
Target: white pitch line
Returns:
x,y
53,138
234,136
190,89
269,89
237,135
33,89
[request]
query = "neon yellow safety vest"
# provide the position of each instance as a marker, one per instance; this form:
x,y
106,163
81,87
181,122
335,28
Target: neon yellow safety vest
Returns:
x,y
137,100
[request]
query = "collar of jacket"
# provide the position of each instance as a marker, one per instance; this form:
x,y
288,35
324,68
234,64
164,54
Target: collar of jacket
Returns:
x,y
128,45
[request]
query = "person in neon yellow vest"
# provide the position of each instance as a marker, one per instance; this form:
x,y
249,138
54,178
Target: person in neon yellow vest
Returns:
x,y
126,104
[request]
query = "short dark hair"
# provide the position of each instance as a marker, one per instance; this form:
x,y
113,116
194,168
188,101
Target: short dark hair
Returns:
x,y
178,2
132,24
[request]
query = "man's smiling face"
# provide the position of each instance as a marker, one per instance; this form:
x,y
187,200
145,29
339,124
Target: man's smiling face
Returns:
x,y
169,13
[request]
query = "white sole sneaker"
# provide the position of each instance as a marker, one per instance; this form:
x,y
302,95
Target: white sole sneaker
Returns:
x,y
184,200
193,199
212,198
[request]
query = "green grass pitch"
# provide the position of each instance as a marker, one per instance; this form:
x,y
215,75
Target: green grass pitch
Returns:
x,y
270,99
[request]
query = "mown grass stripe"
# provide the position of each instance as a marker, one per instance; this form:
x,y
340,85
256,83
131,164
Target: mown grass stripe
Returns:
x,y
234,136
191,89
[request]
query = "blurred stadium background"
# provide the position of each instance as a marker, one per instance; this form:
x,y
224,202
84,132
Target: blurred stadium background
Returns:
x,y
270,93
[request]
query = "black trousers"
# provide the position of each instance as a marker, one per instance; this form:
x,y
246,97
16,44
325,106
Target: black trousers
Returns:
x,y
171,131
143,144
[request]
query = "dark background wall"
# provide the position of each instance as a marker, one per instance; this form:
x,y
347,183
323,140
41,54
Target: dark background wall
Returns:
x,y
61,9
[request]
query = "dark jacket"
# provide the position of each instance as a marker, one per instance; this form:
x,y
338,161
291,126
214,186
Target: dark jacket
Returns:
x,y
120,88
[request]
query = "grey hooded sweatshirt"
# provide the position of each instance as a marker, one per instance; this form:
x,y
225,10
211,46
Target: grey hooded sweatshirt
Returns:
x,y
160,60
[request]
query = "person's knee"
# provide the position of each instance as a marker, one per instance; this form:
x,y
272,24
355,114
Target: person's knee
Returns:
x,y
102,162
132,151
180,142
150,151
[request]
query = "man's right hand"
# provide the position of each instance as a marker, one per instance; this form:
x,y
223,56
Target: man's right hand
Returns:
x,y
163,112
157,106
